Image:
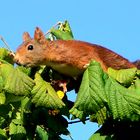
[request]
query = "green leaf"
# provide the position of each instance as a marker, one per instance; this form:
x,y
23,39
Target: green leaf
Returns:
x,y
124,76
138,73
2,121
16,82
5,70
27,71
3,53
58,124
6,55
63,32
12,98
91,96
13,129
1,84
98,136
135,87
26,105
17,121
2,98
100,117
44,95
3,135
17,132
4,110
122,103
41,134
78,114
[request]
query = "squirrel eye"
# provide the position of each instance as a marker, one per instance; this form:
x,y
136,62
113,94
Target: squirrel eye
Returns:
x,y
30,47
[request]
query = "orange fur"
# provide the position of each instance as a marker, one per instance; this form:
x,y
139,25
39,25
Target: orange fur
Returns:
x,y
71,53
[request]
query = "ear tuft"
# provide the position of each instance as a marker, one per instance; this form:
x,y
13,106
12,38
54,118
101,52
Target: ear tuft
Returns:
x,y
26,36
39,36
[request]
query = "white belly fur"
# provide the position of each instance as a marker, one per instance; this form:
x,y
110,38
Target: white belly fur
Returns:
x,y
66,69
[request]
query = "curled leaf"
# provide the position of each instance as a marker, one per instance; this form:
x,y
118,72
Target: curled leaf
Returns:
x,y
124,76
63,32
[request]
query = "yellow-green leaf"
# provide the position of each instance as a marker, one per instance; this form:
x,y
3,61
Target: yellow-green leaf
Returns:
x,y
43,94
125,76
15,81
63,32
6,55
2,98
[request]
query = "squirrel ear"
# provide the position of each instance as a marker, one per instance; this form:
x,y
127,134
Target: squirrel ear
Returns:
x,y
39,36
26,36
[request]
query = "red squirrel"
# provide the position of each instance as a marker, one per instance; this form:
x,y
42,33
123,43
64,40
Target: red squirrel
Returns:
x,y
69,57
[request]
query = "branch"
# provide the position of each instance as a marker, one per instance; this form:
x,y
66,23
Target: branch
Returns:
x,y
2,39
78,121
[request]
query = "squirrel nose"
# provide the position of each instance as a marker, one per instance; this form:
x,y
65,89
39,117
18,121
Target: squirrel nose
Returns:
x,y
16,60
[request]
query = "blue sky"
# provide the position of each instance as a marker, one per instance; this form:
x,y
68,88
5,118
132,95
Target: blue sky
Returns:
x,y
114,24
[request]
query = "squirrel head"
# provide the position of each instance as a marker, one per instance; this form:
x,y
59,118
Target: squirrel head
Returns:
x,y
30,51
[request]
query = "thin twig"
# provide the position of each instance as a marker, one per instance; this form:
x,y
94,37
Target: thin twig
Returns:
x,y
2,39
77,121
58,23
71,137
